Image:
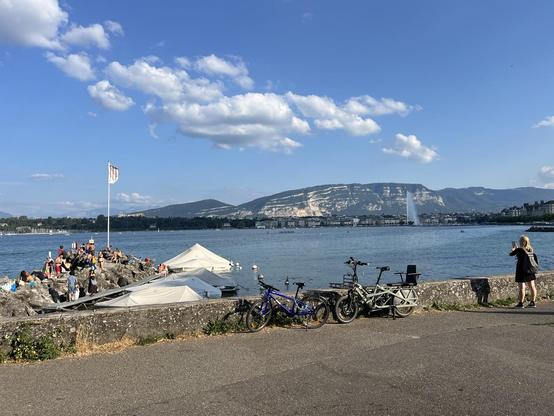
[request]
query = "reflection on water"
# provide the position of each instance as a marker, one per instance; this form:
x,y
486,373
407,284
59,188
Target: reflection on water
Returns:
x,y
314,255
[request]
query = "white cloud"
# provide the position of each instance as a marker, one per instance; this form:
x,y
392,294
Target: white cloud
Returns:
x,y
151,59
74,65
164,82
237,71
134,198
46,176
109,96
367,105
114,27
410,147
329,116
77,208
246,120
183,62
31,22
152,130
93,35
547,122
546,177
92,114
547,172
266,121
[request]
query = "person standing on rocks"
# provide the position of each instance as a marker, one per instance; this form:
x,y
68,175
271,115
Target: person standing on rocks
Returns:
x,y
72,288
101,261
92,283
526,269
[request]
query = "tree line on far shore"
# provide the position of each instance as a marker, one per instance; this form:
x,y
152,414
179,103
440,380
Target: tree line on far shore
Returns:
x,y
24,224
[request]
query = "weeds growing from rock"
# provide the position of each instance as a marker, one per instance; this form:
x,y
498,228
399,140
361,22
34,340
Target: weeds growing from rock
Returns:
x,y
220,327
152,339
27,347
445,306
502,302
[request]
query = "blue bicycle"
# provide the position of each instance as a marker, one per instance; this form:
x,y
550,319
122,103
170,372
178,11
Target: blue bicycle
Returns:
x,y
311,310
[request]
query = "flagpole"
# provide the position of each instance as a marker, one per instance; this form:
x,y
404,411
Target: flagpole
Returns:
x,y
108,243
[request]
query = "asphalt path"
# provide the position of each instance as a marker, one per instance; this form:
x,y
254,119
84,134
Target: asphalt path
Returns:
x,y
479,362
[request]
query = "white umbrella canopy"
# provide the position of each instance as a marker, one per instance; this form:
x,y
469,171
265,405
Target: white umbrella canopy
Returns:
x,y
153,295
197,257
224,283
202,288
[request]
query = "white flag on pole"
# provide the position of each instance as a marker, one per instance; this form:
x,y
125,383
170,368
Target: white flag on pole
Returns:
x,y
113,174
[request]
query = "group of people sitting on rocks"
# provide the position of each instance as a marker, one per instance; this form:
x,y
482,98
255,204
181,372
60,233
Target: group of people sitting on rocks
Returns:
x,y
65,265
73,273
80,257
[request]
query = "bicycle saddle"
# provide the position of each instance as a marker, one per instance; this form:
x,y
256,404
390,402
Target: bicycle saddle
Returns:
x,y
299,284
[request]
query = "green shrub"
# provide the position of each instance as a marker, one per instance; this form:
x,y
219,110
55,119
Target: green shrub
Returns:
x,y
503,302
147,340
445,306
152,339
27,347
219,327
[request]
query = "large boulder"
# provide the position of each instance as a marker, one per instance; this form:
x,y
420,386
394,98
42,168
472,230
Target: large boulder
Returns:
x,y
11,306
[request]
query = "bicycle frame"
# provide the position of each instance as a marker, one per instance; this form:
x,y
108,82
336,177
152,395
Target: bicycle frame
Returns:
x,y
380,297
371,298
277,298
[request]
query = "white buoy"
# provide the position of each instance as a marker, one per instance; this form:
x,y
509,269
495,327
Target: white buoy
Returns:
x,y
237,264
254,267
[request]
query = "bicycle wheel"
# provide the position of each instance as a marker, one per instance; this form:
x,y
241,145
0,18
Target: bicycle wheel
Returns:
x,y
346,309
403,302
258,315
315,312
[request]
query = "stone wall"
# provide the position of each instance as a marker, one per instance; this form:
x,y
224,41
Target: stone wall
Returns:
x,y
479,289
102,326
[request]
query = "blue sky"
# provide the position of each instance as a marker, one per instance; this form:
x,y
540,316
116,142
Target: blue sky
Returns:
x,y
235,100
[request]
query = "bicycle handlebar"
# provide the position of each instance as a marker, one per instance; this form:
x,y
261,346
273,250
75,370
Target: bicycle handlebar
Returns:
x,y
266,286
352,260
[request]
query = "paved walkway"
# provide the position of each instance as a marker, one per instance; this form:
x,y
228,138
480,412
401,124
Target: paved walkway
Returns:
x,y
480,362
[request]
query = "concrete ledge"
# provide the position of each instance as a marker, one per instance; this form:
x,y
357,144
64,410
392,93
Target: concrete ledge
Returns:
x,y
479,289
102,326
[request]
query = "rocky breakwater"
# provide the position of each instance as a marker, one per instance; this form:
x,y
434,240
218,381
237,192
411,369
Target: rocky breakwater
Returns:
x,y
29,299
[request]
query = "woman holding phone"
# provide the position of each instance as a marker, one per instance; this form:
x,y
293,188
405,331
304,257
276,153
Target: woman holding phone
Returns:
x,y
523,276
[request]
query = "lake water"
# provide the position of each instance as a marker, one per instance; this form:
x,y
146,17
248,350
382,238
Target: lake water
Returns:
x,y
315,256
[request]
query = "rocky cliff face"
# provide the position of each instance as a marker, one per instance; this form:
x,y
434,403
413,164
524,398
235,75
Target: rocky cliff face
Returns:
x,y
352,199
362,199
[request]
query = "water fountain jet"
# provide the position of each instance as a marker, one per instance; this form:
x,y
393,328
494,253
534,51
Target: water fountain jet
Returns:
x,y
411,209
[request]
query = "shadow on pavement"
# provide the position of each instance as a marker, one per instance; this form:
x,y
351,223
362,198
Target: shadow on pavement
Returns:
x,y
525,311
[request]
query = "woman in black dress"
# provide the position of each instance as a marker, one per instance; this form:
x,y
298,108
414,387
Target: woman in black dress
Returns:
x,y
523,277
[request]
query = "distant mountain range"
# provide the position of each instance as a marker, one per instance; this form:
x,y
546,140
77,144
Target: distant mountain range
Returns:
x,y
5,215
204,208
360,199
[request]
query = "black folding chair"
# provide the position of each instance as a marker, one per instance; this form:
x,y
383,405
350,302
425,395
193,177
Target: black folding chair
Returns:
x,y
410,276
